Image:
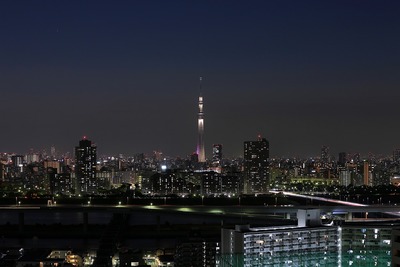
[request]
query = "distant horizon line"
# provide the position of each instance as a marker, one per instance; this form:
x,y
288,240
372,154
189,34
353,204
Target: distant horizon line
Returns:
x,y
148,154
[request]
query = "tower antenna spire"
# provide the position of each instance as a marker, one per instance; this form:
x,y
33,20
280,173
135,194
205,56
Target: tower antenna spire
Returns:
x,y
200,85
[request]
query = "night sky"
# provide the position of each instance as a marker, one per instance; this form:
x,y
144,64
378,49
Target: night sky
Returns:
x,y
126,74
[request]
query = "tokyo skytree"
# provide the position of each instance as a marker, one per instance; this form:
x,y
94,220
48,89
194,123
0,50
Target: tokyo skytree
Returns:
x,y
200,123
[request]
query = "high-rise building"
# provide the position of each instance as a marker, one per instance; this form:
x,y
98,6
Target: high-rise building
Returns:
x,y
342,159
85,167
256,167
325,154
367,174
216,157
369,243
53,152
32,157
213,183
18,163
61,184
344,177
217,154
310,243
200,124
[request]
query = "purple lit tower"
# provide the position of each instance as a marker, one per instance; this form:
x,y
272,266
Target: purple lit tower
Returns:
x,y
200,122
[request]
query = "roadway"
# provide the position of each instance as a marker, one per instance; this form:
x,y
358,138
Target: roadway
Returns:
x,y
210,210
334,206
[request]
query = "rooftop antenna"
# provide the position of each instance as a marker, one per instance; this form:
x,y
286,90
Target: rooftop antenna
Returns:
x,y
200,80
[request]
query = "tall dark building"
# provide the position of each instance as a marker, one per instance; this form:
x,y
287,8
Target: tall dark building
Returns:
x,y
256,167
85,167
18,163
342,159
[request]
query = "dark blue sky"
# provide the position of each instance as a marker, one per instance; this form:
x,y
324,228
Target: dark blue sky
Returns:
x,y
125,73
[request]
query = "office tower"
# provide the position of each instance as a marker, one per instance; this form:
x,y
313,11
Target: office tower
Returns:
x,y
217,154
325,154
366,174
344,177
85,167
200,124
256,167
216,157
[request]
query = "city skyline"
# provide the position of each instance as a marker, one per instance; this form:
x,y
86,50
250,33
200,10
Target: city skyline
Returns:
x,y
302,75
53,152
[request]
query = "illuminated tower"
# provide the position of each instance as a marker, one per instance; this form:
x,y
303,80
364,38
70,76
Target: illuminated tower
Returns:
x,y
200,123
85,167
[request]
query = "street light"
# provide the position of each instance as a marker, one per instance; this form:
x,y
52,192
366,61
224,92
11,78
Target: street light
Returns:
x,y
202,200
